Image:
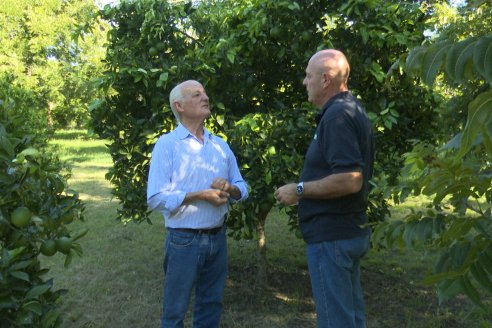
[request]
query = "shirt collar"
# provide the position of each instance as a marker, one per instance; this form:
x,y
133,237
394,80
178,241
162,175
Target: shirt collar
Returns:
x,y
328,103
183,132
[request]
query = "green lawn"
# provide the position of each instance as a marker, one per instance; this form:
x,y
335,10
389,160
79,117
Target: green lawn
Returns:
x,y
117,282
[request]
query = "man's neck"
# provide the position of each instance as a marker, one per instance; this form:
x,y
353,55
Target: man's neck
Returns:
x,y
195,128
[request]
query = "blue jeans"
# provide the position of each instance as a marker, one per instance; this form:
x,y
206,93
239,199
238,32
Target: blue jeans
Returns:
x,y
196,261
334,268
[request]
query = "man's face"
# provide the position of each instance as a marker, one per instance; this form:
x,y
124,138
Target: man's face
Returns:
x,y
195,103
313,83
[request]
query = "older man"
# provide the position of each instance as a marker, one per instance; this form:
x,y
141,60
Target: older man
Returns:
x,y
332,192
192,179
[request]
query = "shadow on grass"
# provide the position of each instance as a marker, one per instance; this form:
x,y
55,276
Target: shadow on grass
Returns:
x,y
72,135
285,302
98,190
85,153
391,300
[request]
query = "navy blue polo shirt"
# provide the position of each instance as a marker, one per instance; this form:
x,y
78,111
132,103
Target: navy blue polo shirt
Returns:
x,y
343,142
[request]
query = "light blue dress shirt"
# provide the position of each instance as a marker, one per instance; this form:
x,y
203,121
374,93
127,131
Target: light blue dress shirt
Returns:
x,y
180,164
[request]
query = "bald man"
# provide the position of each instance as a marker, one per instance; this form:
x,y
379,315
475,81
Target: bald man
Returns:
x,y
193,178
332,192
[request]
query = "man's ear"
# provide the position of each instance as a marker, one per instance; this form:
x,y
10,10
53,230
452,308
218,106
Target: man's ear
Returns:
x,y
326,79
178,106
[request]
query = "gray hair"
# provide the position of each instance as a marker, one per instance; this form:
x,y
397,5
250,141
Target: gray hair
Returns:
x,y
176,95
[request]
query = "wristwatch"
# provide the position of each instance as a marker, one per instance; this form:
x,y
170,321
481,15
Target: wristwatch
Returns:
x,y
300,189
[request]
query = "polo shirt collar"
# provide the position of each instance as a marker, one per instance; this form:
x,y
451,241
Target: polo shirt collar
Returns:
x,y
328,103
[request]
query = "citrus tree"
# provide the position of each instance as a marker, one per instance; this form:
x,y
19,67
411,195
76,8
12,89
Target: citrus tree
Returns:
x,y
35,212
454,172
251,57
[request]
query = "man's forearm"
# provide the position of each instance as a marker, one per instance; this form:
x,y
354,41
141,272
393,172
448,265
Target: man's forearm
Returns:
x,y
234,192
334,186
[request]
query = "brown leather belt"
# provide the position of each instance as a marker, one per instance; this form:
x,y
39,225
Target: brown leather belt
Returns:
x,y
212,231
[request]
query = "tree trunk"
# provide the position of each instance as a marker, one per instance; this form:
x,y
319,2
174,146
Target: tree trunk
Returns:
x,y
262,274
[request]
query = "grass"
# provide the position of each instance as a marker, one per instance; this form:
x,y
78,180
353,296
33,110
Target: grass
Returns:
x,y
117,282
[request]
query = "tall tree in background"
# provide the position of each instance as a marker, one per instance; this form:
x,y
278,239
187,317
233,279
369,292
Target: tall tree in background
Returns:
x,y
45,50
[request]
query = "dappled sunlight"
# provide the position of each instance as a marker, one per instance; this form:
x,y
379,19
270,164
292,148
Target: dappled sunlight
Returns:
x,y
103,164
93,198
283,297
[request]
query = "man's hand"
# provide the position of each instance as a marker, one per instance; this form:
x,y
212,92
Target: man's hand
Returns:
x,y
223,184
214,196
287,194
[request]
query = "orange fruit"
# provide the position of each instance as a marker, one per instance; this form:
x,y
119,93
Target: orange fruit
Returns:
x,y
21,217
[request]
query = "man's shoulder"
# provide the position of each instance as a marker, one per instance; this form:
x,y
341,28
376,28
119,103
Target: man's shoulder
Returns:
x,y
167,138
218,140
348,105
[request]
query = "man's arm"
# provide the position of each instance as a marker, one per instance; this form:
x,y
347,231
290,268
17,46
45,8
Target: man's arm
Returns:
x,y
331,186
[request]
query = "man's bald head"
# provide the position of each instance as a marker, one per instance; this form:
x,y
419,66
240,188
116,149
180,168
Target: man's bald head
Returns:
x,y
327,74
334,63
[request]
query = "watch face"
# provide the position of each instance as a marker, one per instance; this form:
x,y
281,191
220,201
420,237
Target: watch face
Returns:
x,y
300,188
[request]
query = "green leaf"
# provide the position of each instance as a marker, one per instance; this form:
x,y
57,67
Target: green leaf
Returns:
x,y
50,318
457,229
36,291
487,137
163,77
441,277
68,259
481,276
454,143
458,59
450,288
482,57
20,275
413,64
6,146
21,265
433,61
408,234
95,104
471,291
365,34
479,114
485,262
231,56
34,307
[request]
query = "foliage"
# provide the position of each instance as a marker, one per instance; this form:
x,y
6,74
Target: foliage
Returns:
x,y
259,50
268,160
35,211
46,51
27,104
455,173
